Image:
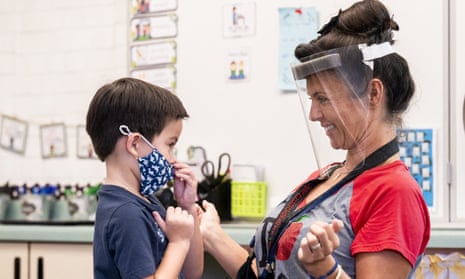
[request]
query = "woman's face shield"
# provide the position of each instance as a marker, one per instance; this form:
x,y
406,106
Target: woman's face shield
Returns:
x,y
333,89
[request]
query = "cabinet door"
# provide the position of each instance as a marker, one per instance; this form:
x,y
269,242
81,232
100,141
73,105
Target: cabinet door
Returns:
x,y
14,260
59,260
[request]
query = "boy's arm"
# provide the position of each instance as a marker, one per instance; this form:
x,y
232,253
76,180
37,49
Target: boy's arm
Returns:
x,y
170,266
179,229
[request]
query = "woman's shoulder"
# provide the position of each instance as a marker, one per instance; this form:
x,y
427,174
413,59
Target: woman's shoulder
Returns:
x,y
392,177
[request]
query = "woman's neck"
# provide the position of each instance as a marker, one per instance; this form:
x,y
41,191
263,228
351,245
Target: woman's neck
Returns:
x,y
370,144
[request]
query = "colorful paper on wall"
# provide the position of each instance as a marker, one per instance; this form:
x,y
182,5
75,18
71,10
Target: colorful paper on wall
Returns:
x,y
416,150
297,25
238,19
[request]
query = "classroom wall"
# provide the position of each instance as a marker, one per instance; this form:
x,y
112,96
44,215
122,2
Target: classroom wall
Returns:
x,y
57,53
54,55
257,122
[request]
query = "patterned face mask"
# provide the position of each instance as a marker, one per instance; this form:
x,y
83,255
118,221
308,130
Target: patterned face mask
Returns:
x,y
155,170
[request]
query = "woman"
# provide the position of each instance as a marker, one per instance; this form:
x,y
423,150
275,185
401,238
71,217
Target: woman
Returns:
x,y
364,217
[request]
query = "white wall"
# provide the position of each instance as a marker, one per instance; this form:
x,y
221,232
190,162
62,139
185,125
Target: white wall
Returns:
x,y
458,114
54,55
259,124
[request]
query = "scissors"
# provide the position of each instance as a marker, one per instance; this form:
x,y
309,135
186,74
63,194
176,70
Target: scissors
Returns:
x,y
208,169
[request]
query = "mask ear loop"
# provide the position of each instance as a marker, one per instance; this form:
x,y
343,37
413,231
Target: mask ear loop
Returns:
x,y
124,130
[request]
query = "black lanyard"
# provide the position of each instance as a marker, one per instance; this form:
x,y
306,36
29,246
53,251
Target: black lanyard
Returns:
x,y
288,212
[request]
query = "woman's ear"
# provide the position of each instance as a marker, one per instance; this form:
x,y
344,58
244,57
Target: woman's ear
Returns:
x,y
377,92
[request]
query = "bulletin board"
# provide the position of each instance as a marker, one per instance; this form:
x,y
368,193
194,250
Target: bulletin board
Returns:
x,y
153,29
416,151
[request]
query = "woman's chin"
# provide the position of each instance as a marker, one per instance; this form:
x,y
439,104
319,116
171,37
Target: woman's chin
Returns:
x,y
334,144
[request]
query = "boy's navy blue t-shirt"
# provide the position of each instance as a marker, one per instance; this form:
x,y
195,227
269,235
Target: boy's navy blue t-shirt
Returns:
x,y
128,243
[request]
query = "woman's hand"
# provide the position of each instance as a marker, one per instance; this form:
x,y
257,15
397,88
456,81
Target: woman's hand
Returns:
x,y
209,223
185,185
317,245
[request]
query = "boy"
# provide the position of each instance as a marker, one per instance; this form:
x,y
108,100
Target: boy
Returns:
x,y
134,127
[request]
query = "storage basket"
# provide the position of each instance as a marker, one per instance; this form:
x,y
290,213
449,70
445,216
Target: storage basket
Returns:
x,y
248,199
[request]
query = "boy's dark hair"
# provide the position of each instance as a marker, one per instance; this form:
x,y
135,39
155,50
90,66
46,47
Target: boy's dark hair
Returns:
x,y
143,107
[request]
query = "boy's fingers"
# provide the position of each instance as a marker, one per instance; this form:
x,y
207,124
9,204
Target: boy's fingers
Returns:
x,y
207,204
159,220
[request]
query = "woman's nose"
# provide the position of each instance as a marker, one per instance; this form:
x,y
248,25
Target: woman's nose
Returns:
x,y
315,112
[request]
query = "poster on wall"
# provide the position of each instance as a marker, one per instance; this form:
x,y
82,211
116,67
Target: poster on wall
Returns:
x,y
163,77
416,151
155,27
13,134
53,140
153,54
237,65
140,7
296,25
85,149
238,19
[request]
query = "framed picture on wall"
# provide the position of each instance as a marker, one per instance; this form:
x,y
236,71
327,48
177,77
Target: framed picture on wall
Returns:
x,y
13,134
153,54
163,77
53,140
85,149
140,7
237,64
154,27
238,19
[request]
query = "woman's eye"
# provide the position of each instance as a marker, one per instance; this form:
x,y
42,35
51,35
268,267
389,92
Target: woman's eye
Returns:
x,y
322,99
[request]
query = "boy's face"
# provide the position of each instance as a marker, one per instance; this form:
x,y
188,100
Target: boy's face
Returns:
x,y
167,139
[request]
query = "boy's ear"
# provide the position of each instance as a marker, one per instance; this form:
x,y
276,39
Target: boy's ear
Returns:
x,y
131,144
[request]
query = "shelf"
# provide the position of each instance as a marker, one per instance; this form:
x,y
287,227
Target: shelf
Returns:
x,y
242,232
47,233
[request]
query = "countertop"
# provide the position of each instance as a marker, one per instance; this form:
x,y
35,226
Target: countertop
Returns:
x,y
242,232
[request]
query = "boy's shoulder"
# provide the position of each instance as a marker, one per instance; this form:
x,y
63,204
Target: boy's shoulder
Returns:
x,y
118,202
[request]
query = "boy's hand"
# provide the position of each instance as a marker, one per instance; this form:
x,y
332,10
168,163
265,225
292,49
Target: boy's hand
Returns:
x,y
178,226
185,185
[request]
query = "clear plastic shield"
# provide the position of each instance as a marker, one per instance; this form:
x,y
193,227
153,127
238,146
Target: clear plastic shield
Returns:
x,y
333,88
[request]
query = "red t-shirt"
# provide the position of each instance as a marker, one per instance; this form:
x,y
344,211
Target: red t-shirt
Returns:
x,y
382,209
386,211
